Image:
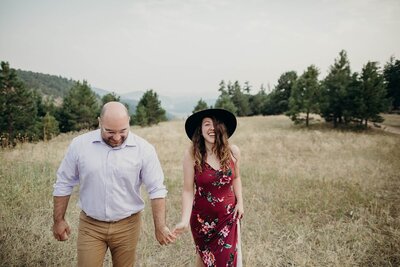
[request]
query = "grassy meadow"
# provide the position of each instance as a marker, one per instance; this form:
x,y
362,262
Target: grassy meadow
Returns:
x,y
313,197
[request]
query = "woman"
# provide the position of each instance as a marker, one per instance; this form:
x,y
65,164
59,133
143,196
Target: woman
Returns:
x,y
212,191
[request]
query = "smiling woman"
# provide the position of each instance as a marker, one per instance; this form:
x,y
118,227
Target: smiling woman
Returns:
x,y
212,200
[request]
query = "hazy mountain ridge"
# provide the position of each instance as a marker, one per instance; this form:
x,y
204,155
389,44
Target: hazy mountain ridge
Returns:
x,y
132,103
58,87
176,107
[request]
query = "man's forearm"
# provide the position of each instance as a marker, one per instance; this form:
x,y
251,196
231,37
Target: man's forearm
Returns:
x,y
60,207
158,208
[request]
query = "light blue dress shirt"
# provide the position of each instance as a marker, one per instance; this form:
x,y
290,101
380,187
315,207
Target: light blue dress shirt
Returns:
x,y
110,178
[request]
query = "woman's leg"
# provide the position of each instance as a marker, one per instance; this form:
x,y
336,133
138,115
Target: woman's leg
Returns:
x,y
199,262
239,248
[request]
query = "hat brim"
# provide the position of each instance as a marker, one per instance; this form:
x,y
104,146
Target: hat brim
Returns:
x,y
222,115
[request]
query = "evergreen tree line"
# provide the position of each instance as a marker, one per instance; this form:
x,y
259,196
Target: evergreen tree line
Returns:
x,y
342,97
28,115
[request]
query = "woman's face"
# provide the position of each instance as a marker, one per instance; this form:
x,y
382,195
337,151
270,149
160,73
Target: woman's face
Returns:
x,y
207,130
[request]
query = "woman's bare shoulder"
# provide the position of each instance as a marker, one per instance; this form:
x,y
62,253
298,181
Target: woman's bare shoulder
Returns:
x,y
235,151
234,148
188,154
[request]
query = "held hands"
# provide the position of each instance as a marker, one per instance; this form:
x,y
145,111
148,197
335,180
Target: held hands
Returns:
x,y
180,228
165,236
61,230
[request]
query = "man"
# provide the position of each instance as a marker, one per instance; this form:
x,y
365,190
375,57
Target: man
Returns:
x,y
110,164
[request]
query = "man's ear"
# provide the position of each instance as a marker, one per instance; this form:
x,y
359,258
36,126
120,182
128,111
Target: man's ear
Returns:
x,y
99,119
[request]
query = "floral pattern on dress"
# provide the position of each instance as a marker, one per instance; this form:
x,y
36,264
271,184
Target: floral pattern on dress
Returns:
x,y
229,208
210,198
212,224
207,257
222,178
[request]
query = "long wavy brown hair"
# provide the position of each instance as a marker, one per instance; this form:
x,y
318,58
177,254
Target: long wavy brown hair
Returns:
x,y
220,148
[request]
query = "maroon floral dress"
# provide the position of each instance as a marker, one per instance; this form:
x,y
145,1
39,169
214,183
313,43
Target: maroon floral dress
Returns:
x,y
213,227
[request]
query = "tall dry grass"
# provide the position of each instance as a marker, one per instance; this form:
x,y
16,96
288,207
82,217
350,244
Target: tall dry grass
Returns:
x,y
391,120
317,197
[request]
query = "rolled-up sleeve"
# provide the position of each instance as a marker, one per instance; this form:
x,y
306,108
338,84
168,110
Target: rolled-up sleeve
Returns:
x,y
152,175
67,173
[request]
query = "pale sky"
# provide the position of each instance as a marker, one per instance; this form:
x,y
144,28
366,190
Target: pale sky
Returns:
x,y
181,48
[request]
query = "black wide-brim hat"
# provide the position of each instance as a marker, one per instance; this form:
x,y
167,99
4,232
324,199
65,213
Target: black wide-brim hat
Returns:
x,y
222,115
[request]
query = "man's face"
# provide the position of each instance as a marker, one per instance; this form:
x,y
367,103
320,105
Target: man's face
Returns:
x,y
114,132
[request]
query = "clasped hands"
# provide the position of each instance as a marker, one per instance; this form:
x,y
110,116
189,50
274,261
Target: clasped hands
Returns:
x,y
165,236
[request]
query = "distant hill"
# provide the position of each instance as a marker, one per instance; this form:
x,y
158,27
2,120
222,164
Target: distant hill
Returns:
x,y
182,107
132,103
47,84
133,95
176,107
58,87
100,92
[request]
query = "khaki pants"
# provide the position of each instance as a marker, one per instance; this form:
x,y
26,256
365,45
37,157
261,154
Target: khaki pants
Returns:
x,y
94,237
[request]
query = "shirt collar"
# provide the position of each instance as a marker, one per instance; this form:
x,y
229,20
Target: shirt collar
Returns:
x,y
129,141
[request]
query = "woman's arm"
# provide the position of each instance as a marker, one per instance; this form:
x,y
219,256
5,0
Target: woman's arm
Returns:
x,y
237,183
187,192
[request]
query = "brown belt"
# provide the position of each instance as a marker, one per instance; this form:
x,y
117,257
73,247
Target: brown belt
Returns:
x,y
84,213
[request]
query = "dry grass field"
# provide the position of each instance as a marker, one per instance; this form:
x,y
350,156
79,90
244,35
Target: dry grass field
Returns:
x,y
313,197
392,120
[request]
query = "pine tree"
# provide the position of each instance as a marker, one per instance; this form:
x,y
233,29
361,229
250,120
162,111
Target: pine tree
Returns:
x,y
17,108
247,88
335,90
50,127
373,93
240,100
149,110
353,103
391,73
80,109
222,88
278,99
224,101
305,95
201,105
109,98
257,102
140,117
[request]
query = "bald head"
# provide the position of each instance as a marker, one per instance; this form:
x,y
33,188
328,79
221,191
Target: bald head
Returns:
x,y
114,110
114,123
